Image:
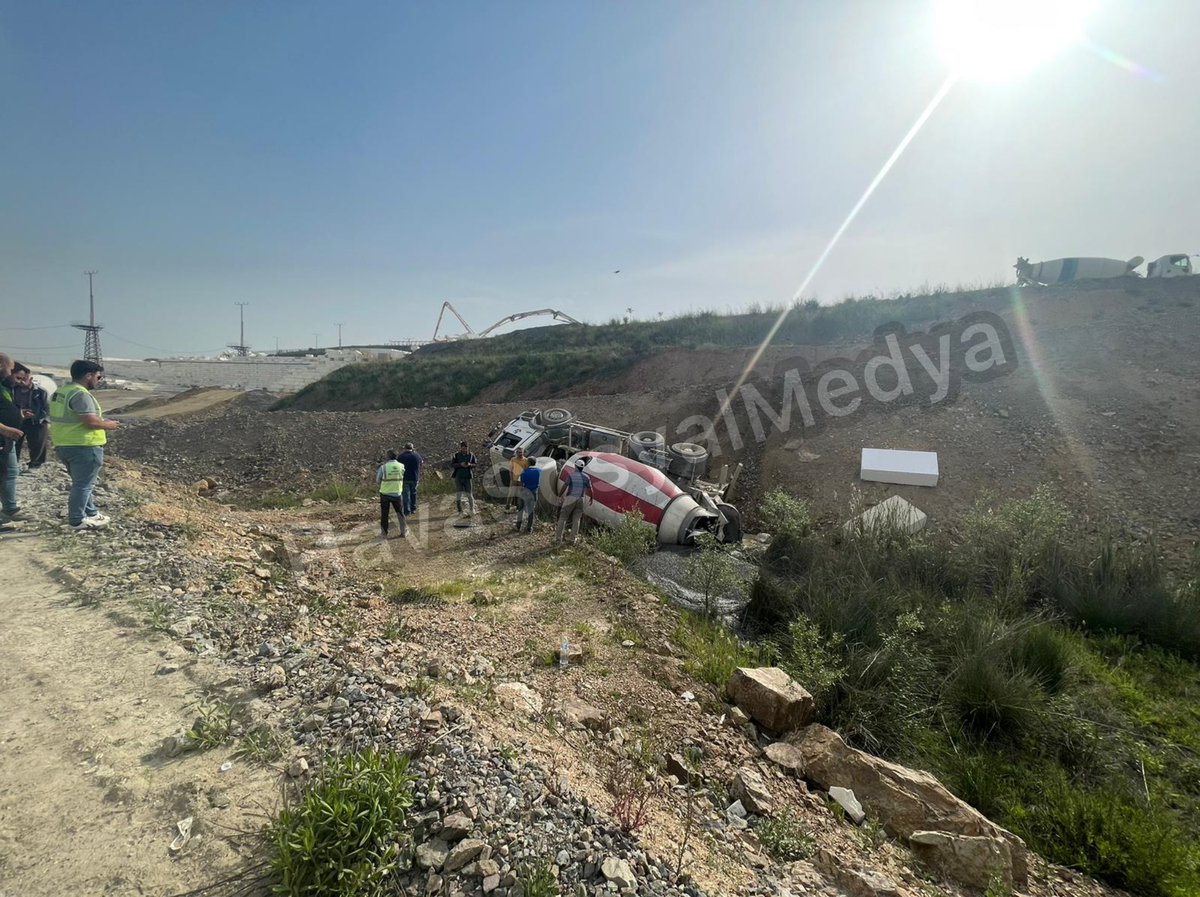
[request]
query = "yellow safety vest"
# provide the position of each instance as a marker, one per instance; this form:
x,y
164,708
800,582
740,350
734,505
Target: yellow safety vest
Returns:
x,y
393,478
65,426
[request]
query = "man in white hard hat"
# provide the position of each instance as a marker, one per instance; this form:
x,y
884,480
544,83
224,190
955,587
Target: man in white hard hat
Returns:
x,y
578,488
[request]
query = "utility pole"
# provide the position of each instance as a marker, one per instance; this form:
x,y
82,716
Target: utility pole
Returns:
x,y
242,349
339,327
316,340
91,330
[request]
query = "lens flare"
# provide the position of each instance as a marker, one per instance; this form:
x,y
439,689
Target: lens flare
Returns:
x,y
995,39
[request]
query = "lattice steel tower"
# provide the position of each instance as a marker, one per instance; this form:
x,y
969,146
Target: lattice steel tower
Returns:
x,y
242,349
91,330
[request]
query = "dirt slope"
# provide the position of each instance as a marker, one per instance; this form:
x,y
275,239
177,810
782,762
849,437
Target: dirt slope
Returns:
x,y
1103,406
87,803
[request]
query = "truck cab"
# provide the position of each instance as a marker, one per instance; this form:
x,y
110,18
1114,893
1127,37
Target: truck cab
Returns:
x,y
1177,265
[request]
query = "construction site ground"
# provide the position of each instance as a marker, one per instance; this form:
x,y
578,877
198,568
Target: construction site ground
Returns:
x,y
117,639
1103,407
171,606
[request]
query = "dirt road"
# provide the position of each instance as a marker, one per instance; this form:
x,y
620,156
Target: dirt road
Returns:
x,y
88,801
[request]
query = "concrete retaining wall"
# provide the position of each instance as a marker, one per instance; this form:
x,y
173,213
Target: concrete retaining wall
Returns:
x,y
273,374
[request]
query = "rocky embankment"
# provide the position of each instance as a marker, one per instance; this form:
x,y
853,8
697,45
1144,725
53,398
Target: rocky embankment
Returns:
x,y
513,761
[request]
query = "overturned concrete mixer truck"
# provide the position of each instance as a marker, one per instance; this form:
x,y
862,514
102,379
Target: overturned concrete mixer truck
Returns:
x,y
629,472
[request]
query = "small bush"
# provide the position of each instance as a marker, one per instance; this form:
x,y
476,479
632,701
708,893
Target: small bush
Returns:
x,y
340,839
987,687
784,513
811,659
887,693
711,571
712,653
337,491
213,726
631,785
630,541
784,837
538,880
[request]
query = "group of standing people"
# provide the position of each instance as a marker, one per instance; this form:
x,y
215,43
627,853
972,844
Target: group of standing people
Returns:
x,y
399,476
76,425
525,478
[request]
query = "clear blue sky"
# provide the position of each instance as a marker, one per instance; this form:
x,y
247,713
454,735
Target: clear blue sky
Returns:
x,y
361,162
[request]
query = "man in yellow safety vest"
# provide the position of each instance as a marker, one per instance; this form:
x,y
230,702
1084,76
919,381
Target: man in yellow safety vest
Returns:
x,y
79,432
390,477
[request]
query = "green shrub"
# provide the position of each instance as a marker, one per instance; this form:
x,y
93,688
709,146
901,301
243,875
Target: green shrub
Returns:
x,y
1044,655
710,570
988,687
887,693
337,491
1109,835
711,652
811,659
347,833
784,837
629,541
785,513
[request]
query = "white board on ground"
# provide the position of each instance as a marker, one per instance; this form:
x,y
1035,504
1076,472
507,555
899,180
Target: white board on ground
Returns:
x,y
900,467
891,513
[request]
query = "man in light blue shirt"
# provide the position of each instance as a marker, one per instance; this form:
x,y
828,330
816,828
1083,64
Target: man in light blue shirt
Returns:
x,y
570,513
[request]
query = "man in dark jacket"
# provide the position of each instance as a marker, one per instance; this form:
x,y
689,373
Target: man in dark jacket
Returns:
x,y
463,464
10,432
34,406
412,476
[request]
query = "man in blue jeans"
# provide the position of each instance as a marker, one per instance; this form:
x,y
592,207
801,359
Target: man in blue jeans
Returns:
x,y
80,432
527,497
10,422
412,476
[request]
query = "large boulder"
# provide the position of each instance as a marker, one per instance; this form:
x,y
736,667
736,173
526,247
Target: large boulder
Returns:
x,y
772,698
906,800
748,787
974,861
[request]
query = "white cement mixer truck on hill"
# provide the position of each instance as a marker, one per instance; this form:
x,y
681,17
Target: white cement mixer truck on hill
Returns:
x,y
629,472
1069,270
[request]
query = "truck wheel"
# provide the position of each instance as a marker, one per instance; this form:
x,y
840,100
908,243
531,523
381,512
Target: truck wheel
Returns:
x,y
554,417
732,531
646,441
688,459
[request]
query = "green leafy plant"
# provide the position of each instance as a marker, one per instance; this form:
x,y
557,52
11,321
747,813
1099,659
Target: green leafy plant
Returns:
x,y
538,879
396,627
347,832
158,613
338,490
784,837
711,571
629,541
712,652
260,745
213,726
783,512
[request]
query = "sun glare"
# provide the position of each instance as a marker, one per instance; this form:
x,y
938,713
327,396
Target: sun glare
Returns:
x,y
996,39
